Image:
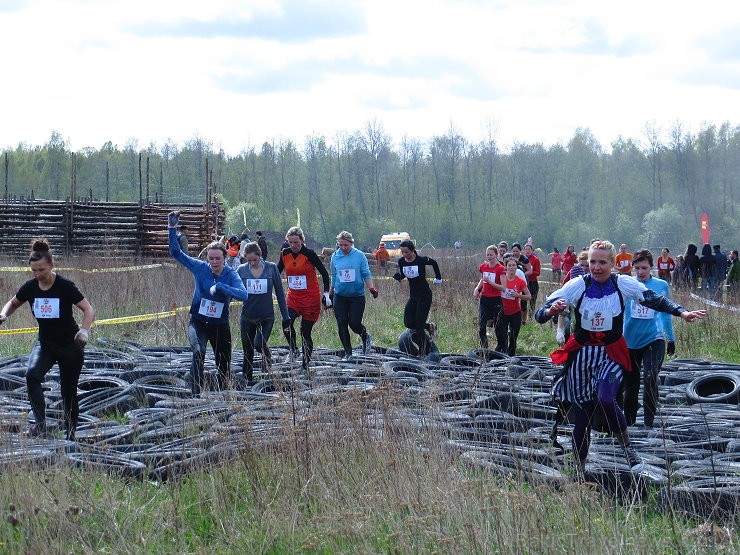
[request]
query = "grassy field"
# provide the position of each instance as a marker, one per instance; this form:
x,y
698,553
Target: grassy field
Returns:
x,y
332,483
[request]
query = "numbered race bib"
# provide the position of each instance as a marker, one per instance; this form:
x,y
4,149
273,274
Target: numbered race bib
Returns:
x,y
256,286
624,263
297,282
508,294
596,321
490,276
45,308
346,276
211,309
663,266
641,312
411,271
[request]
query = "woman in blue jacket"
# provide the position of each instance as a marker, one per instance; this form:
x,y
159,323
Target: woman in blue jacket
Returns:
x,y
215,285
646,332
260,278
350,273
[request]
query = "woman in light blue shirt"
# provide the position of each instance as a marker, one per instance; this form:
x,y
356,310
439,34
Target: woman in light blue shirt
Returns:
x,y
350,273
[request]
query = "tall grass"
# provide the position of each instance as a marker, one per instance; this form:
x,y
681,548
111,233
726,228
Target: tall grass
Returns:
x,y
352,477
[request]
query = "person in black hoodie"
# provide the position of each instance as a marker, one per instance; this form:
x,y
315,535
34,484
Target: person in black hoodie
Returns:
x,y
692,266
706,268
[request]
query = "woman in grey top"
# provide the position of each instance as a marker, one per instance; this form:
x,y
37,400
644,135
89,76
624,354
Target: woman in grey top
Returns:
x,y
260,279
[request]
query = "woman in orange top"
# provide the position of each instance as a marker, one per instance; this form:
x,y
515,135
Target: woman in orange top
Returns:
x,y
382,256
623,261
304,297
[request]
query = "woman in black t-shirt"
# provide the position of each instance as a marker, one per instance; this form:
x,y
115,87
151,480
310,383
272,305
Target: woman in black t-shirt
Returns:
x,y
413,267
51,297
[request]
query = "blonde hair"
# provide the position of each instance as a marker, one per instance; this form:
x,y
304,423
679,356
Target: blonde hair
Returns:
x,y
491,248
295,231
604,246
583,255
345,236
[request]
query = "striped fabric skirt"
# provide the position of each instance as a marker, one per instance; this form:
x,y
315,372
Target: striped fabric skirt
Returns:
x,y
578,384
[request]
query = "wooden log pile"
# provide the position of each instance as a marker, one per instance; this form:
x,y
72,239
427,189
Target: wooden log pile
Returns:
x,y
108,229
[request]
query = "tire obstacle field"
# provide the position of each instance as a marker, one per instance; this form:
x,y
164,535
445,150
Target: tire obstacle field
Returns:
x,y
138,418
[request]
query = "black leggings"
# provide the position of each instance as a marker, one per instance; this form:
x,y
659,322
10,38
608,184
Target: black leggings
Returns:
x,y
488,309
349,312
507,331
249,330
415,318
219,336
306,338
70,359
646,362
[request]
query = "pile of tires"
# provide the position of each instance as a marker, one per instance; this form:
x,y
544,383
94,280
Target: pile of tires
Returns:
x,y
138,418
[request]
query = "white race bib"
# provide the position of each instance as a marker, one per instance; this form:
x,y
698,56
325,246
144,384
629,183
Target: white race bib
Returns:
x,y
663,266
346,276
297,282
256,286
490,276
45,308
624,263
596,321
508,294
641,312
411,271
211,309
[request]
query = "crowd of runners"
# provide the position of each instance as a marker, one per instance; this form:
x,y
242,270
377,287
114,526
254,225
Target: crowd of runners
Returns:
x,y
614,329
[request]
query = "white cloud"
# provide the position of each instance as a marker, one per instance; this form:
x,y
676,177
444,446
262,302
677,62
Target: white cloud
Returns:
x,y
110,70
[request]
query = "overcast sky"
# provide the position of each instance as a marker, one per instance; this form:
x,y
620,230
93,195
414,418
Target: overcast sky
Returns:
x,y
240,72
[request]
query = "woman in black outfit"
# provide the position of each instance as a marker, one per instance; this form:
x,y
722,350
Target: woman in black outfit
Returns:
x,y
61,341
692,266
412,266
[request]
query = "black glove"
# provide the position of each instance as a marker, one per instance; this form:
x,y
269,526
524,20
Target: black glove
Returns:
x,y
374,292
670,348
397,276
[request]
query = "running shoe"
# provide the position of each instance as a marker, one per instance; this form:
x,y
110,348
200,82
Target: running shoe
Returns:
x,y
633,459
432,331
38,430
367,344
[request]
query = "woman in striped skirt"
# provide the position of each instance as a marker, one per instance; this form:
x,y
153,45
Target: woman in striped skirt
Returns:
x,y
596,355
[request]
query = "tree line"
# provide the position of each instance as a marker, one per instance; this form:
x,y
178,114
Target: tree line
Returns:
x,y
646,191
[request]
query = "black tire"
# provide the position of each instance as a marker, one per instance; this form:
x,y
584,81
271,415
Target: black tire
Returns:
x,y
715,387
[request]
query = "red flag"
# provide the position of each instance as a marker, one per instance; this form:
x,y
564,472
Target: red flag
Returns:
x,y
704,229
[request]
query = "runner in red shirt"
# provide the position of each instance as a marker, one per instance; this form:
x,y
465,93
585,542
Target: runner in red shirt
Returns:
x,y
490,297
532,283
556,262
665,265
513,291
